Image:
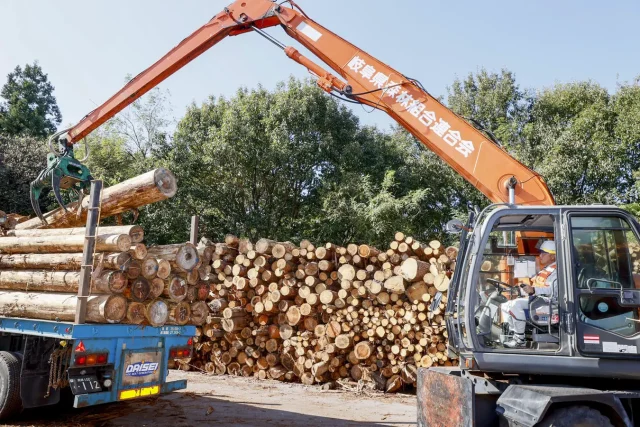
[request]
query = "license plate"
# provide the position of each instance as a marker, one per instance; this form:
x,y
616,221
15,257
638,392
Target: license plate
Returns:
x,y
84,385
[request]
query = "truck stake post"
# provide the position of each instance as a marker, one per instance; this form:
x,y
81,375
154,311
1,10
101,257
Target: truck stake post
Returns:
x,y
93,216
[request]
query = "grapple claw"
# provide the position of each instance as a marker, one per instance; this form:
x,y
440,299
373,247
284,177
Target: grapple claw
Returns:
x,y
55,185
63,172
34,195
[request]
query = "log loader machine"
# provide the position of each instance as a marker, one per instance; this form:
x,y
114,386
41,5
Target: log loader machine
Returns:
x,y
579,363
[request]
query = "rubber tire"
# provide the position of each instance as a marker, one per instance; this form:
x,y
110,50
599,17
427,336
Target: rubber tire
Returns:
x,y
10,401
575,416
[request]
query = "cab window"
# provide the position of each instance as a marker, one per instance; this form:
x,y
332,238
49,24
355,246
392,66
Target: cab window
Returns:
x,y
606,266
605,250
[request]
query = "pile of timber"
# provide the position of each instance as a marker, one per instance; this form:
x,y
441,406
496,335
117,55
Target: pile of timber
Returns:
x,y
634,252
130,283
321,314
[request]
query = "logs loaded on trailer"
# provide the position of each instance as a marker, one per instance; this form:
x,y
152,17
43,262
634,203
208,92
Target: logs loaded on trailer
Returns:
x,y
155,290
130,282
327,313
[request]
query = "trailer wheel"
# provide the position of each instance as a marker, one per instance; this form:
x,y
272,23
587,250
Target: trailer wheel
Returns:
x,y
575,416
10,401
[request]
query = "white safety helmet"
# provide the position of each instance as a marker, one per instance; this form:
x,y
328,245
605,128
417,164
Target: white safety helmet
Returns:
x,y
549,246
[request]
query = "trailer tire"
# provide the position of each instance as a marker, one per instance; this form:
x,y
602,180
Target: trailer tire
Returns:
x,y
575,416
10,401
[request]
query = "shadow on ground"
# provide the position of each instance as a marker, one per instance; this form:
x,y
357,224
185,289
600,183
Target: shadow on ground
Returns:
x,y
186,410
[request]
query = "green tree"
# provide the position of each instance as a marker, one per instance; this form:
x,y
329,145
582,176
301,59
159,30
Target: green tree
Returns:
x,y
626,106
144,125
21,159
582,140
570,140
494,101
131,143
251,165
29,107
293,163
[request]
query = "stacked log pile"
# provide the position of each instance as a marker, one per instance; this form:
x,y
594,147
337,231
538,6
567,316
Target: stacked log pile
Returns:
x,y
320,314
130,283
634,252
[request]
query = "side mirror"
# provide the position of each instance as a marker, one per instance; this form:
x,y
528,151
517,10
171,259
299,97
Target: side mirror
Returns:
x,y
454,226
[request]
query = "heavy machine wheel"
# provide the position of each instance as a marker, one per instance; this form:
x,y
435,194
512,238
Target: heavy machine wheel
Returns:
x,y
10,401
575,416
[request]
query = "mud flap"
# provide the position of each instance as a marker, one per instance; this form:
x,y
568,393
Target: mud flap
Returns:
x,y
34,379
447,399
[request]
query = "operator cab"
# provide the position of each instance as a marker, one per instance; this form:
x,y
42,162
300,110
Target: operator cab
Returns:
x,y
583,264
512,263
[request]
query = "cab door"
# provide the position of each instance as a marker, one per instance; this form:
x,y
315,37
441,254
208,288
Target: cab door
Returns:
x,y
606,282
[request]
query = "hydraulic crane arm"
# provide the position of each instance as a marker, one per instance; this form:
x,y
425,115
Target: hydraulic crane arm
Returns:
x,y
360,77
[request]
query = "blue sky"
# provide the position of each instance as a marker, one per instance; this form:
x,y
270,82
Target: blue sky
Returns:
x,y
87,47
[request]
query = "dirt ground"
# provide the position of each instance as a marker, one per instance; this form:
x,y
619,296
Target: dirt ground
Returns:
x,y
232,401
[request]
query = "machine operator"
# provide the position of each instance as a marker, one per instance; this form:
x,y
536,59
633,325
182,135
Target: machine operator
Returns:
x,y
543,283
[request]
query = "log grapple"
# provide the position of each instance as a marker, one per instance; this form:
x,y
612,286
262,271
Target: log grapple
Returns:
x,y
63,172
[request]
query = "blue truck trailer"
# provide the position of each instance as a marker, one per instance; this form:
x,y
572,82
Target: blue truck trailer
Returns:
x,y
98,362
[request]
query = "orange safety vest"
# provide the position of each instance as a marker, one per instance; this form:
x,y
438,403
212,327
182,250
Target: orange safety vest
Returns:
x,y
540,280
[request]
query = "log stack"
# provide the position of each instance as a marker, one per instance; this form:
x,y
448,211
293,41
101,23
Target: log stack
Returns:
x,y
318,314
130,283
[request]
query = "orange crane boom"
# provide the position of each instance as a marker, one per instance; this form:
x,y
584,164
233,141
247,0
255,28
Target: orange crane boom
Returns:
x,y
361,78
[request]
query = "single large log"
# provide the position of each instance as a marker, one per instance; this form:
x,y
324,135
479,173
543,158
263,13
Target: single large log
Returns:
x,y
62,307
179,313
136,313
175,289
414,270
134,231
346,272
157,288
157,312
60,281
442,282
138,251
42,261
139,290
363,350
164,268
63,261
57,244
264,246
199,313
149,268
183,255
153,186
395,284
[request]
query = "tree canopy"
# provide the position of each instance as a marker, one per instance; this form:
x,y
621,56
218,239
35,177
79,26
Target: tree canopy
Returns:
x,y
293,163
29,107
28,114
